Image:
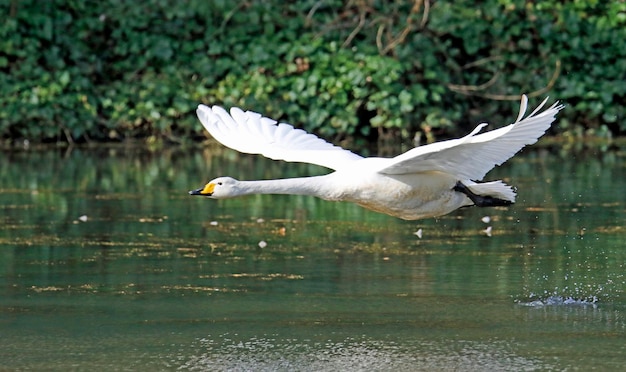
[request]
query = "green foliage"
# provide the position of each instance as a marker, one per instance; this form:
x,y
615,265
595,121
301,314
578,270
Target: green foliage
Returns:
x,y
79,70
334,83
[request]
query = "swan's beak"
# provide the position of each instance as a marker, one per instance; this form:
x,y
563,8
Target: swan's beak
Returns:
x,y
205,191
196,192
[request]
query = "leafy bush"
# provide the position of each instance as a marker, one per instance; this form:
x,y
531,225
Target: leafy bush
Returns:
x,y
78,70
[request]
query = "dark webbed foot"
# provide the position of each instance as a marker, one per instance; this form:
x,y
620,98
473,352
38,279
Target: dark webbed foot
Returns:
x,y
480,200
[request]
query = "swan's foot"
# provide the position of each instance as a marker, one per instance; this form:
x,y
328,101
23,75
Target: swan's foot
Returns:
x,y
481,200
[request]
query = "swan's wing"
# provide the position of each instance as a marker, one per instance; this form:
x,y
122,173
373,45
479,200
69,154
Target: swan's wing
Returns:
x,y
251,133
472,156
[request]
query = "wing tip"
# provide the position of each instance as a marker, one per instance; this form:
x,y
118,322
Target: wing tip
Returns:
x,y
522,108
552,110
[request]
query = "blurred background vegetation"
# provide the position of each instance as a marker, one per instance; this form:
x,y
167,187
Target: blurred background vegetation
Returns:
x,y
111,70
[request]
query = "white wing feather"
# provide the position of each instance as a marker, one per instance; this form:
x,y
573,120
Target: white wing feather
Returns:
x,y
472,156
249,132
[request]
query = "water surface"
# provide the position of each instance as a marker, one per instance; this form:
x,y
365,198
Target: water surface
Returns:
x,y
107,263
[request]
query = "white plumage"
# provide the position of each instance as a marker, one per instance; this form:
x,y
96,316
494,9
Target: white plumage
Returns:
x,y
426,181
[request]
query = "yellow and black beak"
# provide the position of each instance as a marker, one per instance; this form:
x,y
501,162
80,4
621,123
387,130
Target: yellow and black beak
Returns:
x,y
205,191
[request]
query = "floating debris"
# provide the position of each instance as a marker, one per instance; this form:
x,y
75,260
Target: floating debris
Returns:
x,y
487,231
150,219
83,218
213,223
188,252
418,233
486,219
262,244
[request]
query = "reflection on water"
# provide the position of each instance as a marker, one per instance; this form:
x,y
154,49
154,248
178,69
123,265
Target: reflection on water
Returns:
x,y
106,262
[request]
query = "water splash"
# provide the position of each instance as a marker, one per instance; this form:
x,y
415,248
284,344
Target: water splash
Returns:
x,y
586,287
559,301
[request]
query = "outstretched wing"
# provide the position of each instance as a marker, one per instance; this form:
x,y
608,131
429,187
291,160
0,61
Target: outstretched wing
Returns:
x,y
472,156
251,133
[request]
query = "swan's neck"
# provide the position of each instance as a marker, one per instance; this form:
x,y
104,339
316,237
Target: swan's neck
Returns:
x,y
319,186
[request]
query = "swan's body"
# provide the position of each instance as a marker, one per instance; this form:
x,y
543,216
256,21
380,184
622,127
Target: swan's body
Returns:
x,y
427,181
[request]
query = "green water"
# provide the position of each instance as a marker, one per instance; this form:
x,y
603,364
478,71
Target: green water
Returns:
x,y
107,264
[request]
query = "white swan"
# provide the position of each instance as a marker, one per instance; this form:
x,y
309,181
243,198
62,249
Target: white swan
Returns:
x,y
426,181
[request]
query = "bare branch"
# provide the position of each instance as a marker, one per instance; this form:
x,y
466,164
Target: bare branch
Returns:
x,y
357,29
417,5
468,89
474,90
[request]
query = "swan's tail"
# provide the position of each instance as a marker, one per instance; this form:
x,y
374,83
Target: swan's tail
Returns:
x,y
487,194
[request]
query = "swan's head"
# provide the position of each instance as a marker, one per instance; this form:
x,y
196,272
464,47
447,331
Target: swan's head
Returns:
x,y
219,188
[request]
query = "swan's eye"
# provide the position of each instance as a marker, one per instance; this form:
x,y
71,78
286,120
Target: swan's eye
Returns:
x,y
219,183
